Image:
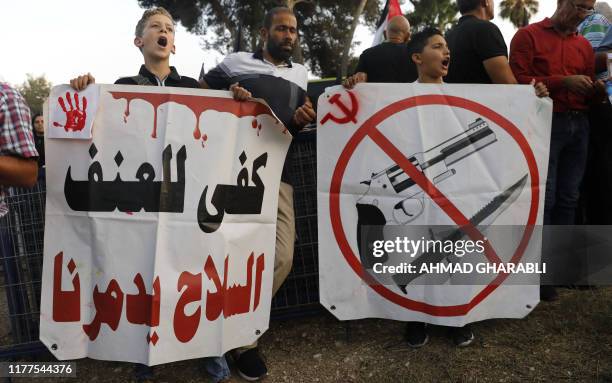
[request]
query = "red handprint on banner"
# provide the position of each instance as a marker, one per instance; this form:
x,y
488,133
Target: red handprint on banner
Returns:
x,y
75,117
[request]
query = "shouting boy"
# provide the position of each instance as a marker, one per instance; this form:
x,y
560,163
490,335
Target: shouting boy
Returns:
x,y
154,37
429,51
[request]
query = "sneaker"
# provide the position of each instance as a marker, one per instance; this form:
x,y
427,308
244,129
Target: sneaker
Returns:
x,y
250,365
416,334
548,293
462,336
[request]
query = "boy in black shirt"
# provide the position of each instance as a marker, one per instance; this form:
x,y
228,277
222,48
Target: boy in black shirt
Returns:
x,y
154,36
432,57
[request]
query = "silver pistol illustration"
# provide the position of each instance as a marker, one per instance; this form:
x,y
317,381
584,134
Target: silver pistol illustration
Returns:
x,y
394,198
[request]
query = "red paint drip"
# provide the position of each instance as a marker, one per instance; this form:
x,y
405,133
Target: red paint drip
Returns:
x,y
197,104
196,132
154,134
256,125
126,113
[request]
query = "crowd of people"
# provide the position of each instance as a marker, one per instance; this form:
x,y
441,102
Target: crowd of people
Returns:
x,y
563,57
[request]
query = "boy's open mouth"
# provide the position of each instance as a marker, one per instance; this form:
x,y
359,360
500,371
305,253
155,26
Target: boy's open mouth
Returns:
x,y
445,63
163,41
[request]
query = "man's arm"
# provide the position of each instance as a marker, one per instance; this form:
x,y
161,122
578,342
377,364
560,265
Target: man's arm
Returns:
x,y
598,93
489,44
15,171
499,70
18,165
217,78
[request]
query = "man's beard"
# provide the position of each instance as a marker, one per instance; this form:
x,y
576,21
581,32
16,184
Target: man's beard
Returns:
x,y
276,51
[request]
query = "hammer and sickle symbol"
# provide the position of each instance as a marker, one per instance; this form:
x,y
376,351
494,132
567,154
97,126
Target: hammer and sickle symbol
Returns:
x,y
349,114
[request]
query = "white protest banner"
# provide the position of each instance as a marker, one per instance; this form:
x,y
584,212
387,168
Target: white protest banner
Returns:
x,y
413,158
160,230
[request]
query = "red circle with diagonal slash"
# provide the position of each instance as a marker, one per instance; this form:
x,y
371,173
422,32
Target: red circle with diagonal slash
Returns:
x,y
369,129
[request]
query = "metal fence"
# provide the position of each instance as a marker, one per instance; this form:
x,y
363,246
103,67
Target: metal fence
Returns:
x,y
21,245
299,295
21,240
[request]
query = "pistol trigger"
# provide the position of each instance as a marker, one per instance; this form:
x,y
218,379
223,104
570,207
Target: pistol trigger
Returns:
x,y
407,210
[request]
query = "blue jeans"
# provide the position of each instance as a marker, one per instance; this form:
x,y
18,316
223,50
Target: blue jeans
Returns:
x,y
567,163
217,368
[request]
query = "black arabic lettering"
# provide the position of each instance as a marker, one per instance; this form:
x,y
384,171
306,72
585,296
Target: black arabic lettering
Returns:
x,y
234,199
95,194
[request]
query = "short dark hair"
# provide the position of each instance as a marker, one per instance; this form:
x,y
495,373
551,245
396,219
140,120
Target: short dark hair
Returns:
x,y
467,5
36,115
419,40
267,24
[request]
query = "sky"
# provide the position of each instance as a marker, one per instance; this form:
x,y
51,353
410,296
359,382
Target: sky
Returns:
x,y
64,38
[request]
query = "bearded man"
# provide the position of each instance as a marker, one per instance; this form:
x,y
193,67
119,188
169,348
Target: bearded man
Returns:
x,y
269,74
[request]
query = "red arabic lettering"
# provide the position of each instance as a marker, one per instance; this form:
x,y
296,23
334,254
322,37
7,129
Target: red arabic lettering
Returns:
x,y
237,298
258,275
66,304
143,308
185,326
109,306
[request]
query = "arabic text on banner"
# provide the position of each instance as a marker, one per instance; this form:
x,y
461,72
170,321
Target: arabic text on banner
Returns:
x,y
160,228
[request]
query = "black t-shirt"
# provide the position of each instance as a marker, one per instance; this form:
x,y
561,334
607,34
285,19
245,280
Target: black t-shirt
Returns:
x,y
387,62
147,78
471,42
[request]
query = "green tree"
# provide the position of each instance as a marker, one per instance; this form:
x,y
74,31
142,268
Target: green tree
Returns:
x,y
441,14
323,25
519,12
35,91
327,32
